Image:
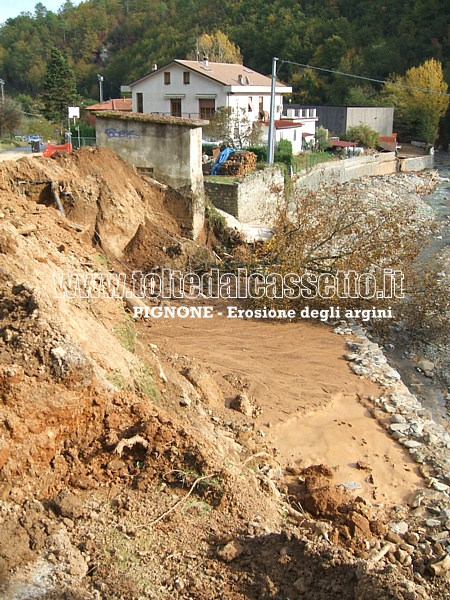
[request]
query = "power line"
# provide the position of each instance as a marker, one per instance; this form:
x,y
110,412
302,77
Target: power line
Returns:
x,y
409,87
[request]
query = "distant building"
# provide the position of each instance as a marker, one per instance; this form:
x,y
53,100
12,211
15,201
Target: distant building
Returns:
x,y
338,119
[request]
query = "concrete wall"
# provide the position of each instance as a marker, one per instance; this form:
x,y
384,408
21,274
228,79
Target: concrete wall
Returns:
x,y
337,119
253,198
342,171
256,196
380,119
417,163
169,148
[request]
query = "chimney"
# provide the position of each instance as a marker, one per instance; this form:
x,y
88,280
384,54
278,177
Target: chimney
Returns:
x,y
154,67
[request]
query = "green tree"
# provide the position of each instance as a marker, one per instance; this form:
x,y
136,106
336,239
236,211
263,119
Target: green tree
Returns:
x,y
322,139
60,88
10,117
417,113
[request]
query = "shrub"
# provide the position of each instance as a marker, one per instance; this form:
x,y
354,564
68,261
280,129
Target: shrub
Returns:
x,y
362,135
260,151
284,153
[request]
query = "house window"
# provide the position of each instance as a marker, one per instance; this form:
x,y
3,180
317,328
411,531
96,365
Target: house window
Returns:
x,y
206,108
175,107
186,77
140,102
250,104
167,78
261,108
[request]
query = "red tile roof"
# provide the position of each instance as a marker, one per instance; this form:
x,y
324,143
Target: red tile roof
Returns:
x,y
123,104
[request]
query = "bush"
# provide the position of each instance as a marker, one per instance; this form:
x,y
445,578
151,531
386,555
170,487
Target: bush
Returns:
x,y
284,153
260,151
363,135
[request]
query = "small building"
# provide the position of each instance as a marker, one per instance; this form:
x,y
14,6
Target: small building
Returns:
x,y
195,89
338,119
168,149
299,129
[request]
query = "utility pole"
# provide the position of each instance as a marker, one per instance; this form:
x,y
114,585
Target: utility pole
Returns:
x,y
100,86
271,139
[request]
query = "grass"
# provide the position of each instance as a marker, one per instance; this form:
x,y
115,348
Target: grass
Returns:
x,y
126,332
143,381
118,380
306,160
102,260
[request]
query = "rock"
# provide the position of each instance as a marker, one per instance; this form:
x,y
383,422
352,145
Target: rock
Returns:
x,y
411,444
411,537
399,427
242,404
398,419
115,465
363,466
440,487
399,528
425,365
432,523
230,551
68,505
441,567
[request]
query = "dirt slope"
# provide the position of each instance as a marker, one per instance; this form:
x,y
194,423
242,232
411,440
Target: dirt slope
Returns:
x,y
123,471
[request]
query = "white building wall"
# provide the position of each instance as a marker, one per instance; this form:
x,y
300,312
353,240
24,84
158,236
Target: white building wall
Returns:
x,y
156,94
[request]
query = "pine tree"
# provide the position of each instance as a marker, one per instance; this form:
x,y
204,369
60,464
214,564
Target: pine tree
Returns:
x,y
60,90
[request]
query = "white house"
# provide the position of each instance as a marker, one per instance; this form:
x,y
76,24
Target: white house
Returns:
x,y
195,89
299,127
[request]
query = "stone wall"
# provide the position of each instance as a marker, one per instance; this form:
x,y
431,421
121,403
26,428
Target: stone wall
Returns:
x,y
167,147
252,198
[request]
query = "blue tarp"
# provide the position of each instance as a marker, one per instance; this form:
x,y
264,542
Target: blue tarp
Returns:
x,y
223,157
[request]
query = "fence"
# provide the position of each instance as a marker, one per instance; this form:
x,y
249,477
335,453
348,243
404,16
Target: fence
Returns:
x,y
82,141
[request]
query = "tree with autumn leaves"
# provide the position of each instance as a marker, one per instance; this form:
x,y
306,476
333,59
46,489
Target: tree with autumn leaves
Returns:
x,y
417,112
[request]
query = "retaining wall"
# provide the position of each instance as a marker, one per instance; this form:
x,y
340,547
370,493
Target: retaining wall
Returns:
x,y
252,198
416,163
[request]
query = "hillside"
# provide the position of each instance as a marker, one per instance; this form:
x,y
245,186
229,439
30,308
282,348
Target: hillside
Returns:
x,y
121,40
125,471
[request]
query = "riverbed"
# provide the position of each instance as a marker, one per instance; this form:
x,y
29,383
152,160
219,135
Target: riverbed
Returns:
x,y
433,392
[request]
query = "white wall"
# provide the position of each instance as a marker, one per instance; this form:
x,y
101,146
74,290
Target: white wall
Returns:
x,y
155,94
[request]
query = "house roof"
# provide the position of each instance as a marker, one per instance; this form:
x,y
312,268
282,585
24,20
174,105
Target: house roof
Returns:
x,y
123,104
223,73
342,144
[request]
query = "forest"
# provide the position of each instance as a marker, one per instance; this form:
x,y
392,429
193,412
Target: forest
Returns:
x,y
121,39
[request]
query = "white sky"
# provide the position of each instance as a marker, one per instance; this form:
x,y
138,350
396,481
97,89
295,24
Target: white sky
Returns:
x,y
12,8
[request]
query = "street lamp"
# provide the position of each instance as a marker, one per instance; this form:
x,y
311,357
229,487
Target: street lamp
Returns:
x,y
100,85
2,84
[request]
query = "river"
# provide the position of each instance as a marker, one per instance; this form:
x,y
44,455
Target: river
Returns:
x,y
432,393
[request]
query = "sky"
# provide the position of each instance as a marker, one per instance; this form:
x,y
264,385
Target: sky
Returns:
x,y
12,8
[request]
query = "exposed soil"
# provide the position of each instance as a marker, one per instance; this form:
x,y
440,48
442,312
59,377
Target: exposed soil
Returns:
x,y
160,459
